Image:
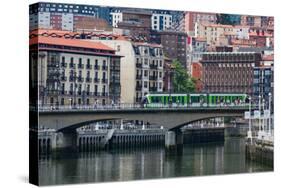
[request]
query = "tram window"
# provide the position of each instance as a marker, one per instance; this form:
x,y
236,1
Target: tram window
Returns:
x,y
157,99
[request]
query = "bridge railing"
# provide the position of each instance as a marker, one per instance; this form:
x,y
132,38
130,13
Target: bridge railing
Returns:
x,y
134,106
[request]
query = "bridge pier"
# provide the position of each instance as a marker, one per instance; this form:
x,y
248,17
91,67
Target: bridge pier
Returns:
x,y
173,140
65,140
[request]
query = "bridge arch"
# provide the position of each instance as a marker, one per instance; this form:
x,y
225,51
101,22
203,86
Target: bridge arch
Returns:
x,y
73,127
201,119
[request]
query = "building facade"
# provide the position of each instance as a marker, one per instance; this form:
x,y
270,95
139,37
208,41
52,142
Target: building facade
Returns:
x,y
229,71
196,73
149,59
263,82
64,16
142,68
189,19
174,45
215,34
161,21
74,72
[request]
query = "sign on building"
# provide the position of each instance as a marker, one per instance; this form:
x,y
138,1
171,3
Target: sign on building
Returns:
x,y
257,114
247,115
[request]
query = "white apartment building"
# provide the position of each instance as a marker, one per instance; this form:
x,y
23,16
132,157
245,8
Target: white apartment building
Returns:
x,y
116,17
161,22
67,21
44,20
141,68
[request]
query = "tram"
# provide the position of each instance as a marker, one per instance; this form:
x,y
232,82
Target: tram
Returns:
x,y
194,100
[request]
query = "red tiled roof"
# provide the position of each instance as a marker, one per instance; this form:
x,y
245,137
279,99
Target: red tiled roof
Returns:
x,y
69,42
265,34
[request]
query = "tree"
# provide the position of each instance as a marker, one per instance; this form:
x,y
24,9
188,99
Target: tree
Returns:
x,y
182,82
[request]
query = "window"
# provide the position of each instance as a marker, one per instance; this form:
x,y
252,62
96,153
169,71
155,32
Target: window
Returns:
x,y
118,48
62,101
145,84
145,73
145,61
267,72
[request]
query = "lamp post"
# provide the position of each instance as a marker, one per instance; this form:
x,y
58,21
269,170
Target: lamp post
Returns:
x,y
250,122
42,88
75,86
259,112
269,109
170,84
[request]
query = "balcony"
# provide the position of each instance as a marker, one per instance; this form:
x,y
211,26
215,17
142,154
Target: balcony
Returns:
x,y
64,65
104,67
104,80
139,65
139,76
103,94
97,67
80,66
153,77
72,65
80,79
88,66
96,80
63,78
152,66
138,87
96,94
71,78
153,89
88,79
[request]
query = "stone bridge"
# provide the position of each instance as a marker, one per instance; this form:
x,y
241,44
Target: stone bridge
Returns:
x,y
171,119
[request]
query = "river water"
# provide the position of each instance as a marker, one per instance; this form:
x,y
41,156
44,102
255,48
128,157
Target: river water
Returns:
x,y
147,163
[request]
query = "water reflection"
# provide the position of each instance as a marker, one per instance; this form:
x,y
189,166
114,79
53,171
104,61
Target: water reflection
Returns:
x,y
146,163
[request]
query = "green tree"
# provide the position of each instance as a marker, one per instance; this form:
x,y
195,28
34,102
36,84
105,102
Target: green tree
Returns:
x,y
182,81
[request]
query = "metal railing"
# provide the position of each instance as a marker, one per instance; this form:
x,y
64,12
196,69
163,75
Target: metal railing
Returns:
x,y
136,106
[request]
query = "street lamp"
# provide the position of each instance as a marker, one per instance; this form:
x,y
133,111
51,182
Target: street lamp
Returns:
x,y
75,86
269,109
259,113
42,88
250,122
170,83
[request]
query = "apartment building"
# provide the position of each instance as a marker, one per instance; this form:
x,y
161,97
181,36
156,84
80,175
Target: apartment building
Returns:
x,y
74,72
229,71
215,34
141,68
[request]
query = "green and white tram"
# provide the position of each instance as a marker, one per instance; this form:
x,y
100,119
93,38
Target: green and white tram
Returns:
x,y
194,99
